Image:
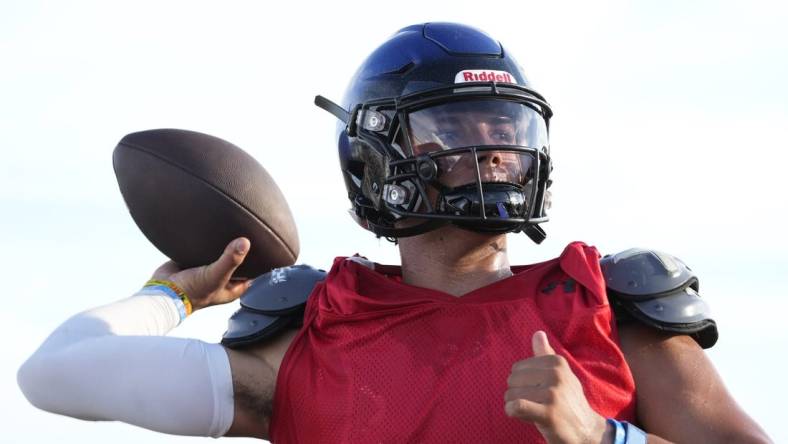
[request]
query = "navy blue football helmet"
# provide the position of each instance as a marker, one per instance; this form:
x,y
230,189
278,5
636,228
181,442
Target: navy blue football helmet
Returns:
x,y
440,126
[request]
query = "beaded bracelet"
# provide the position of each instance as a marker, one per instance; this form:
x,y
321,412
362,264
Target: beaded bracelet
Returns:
x,y
175,292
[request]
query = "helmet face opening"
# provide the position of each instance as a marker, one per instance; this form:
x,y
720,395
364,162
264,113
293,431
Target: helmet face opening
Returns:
x,y
468,155
486,188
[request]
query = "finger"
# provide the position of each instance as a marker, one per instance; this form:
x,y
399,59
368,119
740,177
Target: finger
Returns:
x,y
541,345
526,410
535,394
222,270
534,362
238,284
533,377
233,290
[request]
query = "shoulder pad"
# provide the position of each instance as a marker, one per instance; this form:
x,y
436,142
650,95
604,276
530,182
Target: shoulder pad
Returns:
x,y
658,290
275,301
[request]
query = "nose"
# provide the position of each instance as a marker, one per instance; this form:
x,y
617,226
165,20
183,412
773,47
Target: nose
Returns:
x,y
496,166
490,158
491,166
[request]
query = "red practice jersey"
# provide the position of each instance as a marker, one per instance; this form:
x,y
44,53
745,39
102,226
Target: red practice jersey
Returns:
x,y
379,361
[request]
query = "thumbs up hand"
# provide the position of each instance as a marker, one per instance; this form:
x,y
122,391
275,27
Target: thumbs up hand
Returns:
x,y
544,391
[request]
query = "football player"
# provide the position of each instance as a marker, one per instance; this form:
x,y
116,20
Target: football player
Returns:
x,y
444,149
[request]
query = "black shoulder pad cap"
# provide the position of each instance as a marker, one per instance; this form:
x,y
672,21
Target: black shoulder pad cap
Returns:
x,y
660,291
275,301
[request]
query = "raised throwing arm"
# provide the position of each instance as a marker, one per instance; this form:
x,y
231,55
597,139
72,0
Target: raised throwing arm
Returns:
x,y
113,362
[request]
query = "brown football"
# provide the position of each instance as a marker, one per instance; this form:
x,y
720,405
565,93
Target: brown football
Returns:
x,y
192,193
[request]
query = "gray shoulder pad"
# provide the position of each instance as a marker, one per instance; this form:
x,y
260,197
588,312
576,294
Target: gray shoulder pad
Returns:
x,y
658,290
274,302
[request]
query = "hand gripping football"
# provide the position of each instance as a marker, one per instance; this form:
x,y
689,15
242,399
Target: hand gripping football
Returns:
x,y
191,194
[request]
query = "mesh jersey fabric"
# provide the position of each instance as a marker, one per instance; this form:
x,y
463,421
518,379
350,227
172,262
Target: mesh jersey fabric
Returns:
x,y
380,361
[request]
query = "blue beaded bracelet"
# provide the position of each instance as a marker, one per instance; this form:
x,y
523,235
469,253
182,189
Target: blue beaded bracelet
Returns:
x,y
183,309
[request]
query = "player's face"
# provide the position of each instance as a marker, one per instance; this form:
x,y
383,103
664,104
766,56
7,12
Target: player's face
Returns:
x,y
482,130
491,124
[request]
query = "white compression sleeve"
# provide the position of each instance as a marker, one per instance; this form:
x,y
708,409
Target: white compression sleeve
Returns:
x,y
111,363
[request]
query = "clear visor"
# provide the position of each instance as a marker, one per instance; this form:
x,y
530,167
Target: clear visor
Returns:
x,y
486,122
470,139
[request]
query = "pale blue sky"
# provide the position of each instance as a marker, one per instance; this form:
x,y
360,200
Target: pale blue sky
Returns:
x,y
670,130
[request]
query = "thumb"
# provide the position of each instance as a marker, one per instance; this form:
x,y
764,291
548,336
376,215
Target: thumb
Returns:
x,y
541,345
234,254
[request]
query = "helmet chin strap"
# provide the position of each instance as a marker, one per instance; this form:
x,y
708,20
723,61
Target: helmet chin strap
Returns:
x,y
536,233
494,202
504,200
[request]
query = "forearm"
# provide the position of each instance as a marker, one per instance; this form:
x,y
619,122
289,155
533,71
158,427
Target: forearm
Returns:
x,y
680,394
110,363
147,313
654,439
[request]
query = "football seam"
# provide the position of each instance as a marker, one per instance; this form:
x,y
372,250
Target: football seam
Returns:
x,y
219,190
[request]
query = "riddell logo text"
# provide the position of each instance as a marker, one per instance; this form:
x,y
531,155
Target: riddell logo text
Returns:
x,y
478,75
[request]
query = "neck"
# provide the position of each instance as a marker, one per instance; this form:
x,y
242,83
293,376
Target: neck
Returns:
x,y
453,260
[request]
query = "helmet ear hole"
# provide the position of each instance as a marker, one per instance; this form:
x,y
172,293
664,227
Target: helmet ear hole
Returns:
x,y
355,161
357,150
375,170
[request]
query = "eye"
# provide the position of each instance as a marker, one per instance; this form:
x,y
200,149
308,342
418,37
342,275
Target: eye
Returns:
x,y
502,135
449,138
